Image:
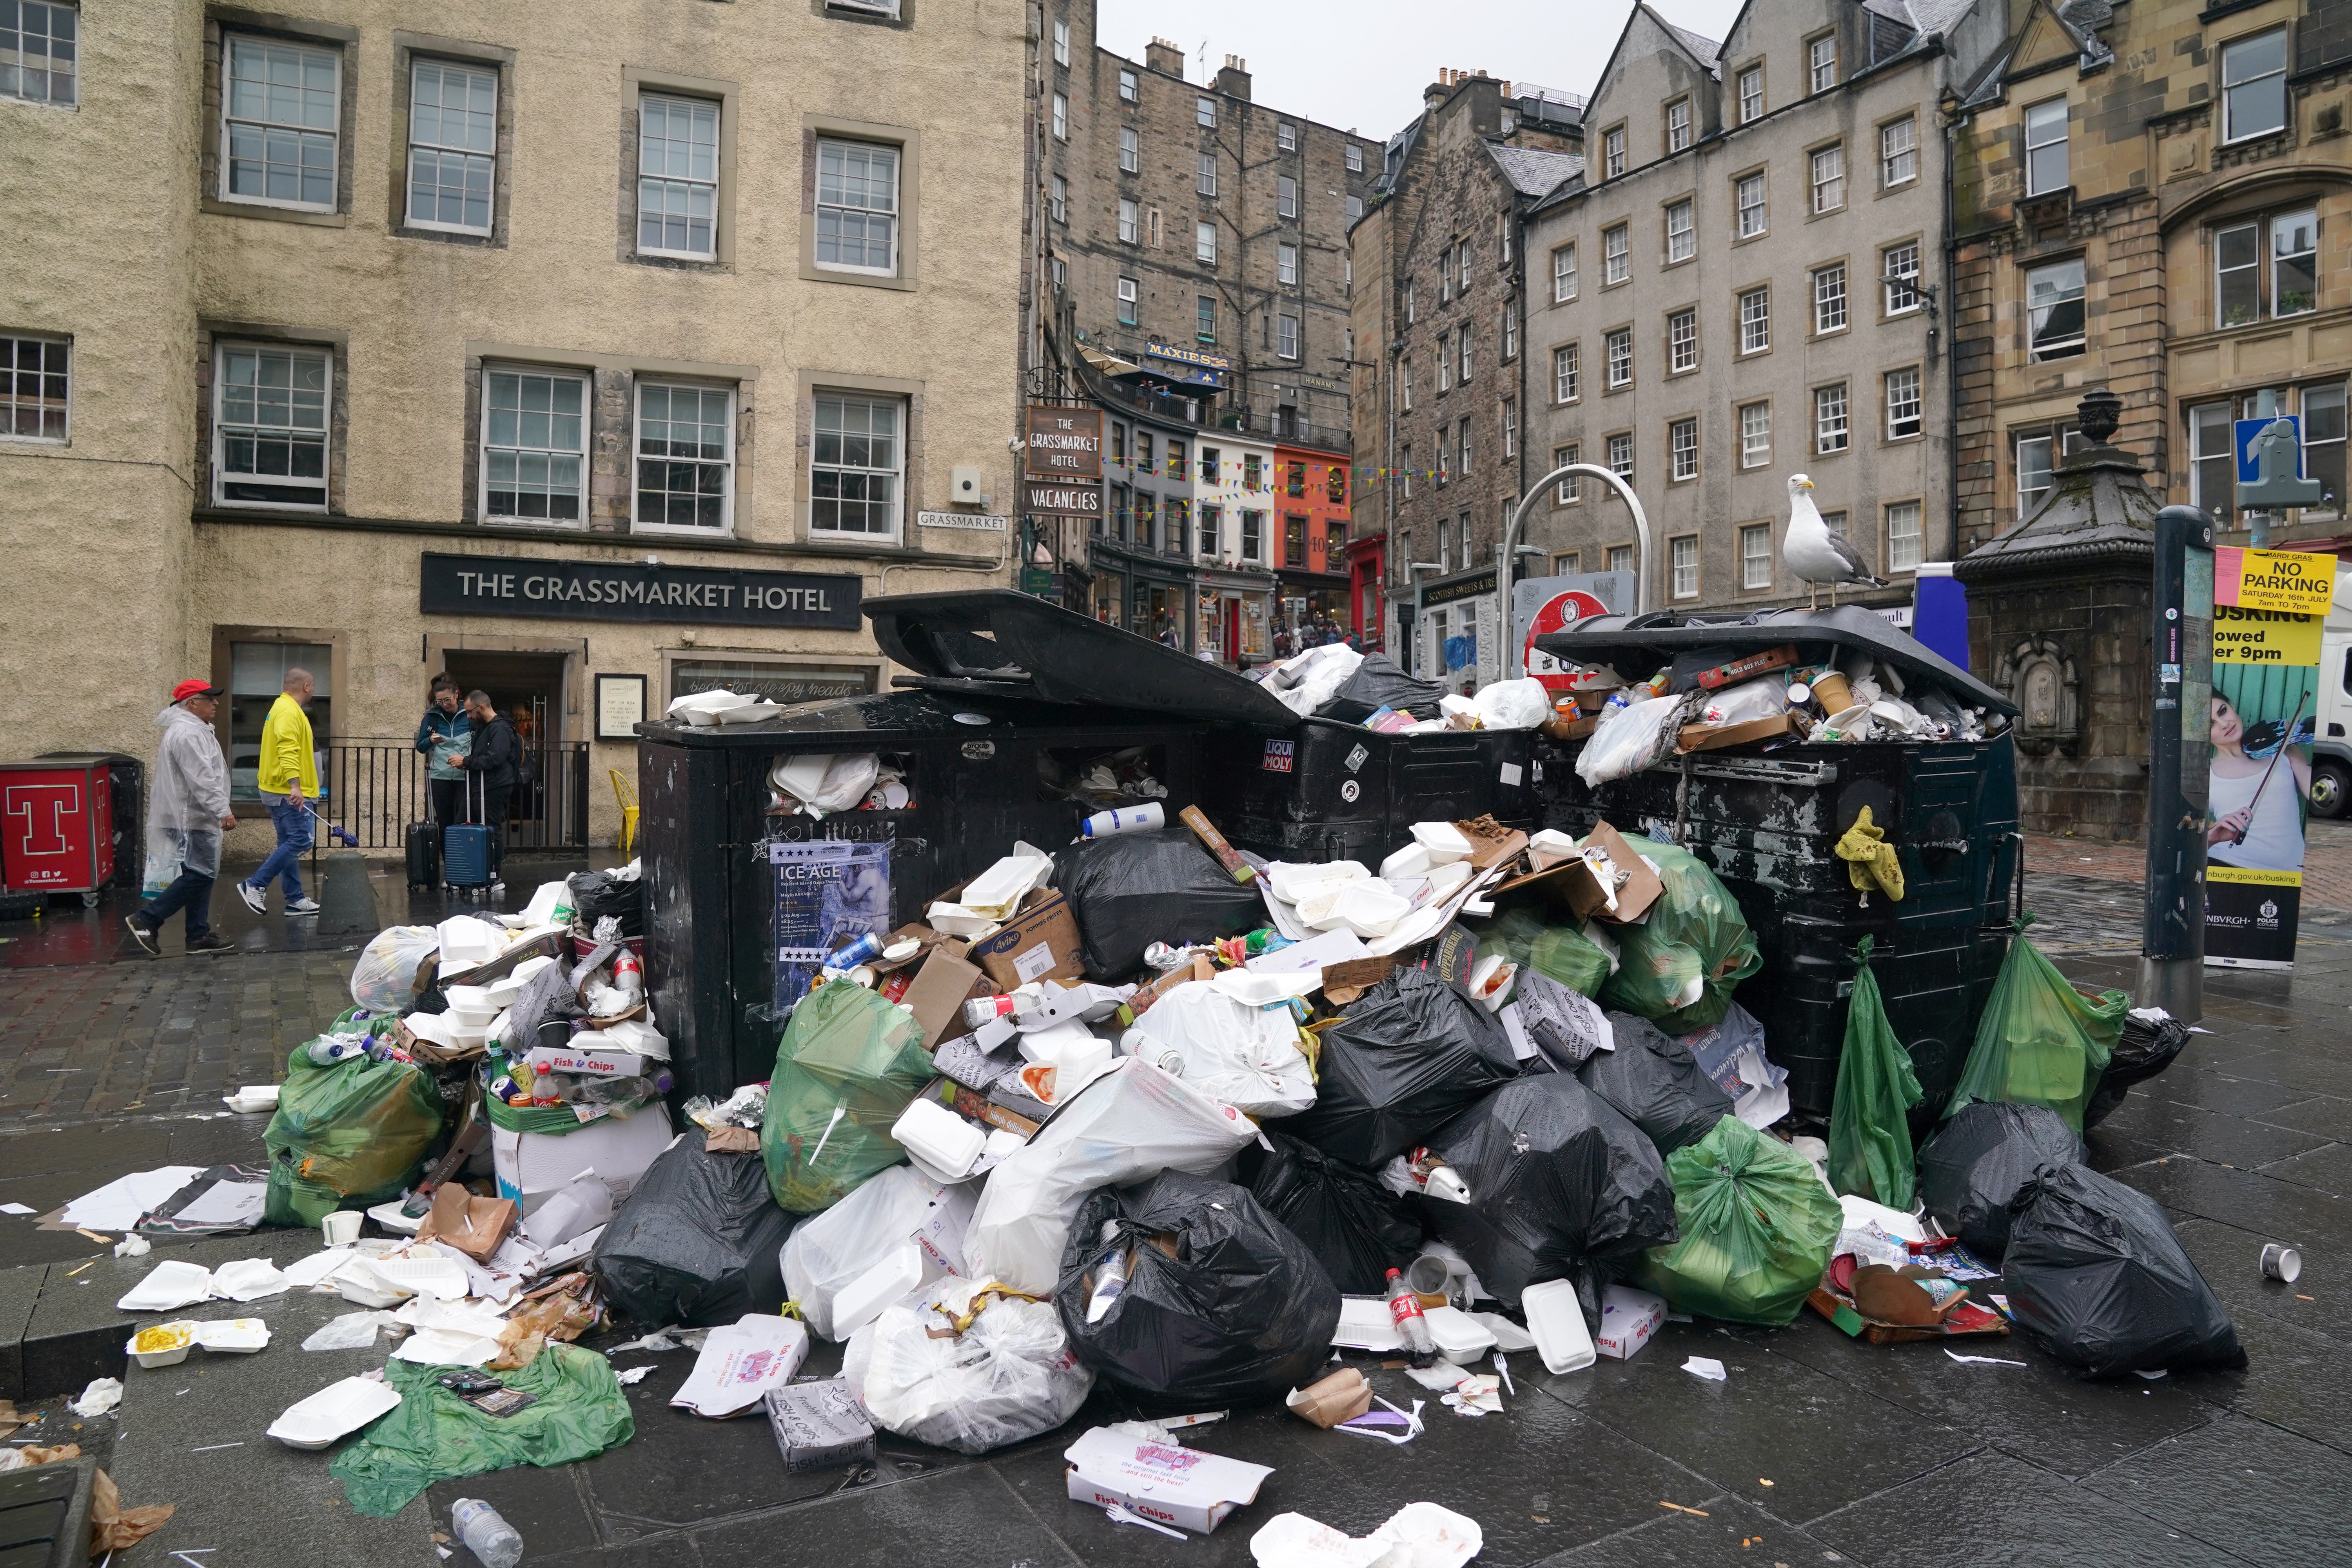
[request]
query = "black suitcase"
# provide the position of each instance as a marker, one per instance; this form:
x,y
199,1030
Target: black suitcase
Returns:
x,y
424,855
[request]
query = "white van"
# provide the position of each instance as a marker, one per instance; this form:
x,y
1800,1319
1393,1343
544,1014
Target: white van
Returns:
x,y
2331,748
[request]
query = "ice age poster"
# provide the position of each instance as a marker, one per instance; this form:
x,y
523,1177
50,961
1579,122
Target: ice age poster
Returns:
x,y
828,894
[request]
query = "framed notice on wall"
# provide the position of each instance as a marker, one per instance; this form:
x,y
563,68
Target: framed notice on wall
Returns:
x,y
620,706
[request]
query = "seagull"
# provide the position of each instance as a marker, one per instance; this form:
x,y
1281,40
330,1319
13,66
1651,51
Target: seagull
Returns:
x,y
1814,553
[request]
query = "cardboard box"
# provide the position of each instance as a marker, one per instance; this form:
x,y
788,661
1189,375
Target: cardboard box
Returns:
x,y
1628,1319
1747,667
819,1425
1491,843
1713,737
532,1166
935,995
1565,729
1040,943
475,1226
587,1063
1574,886
1181,1487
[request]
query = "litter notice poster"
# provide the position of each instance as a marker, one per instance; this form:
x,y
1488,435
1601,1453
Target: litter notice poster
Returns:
x,y
828,894
2268,606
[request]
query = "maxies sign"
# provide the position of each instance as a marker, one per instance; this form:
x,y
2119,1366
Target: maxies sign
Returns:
x,y
632,591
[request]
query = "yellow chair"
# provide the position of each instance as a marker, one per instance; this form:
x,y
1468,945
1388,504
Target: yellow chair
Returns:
x,y
627,796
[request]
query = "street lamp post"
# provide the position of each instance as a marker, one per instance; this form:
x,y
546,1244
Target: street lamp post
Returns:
x,y
1506,553
1416,568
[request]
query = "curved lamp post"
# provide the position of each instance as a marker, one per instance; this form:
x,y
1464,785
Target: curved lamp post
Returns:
x,y
1508,553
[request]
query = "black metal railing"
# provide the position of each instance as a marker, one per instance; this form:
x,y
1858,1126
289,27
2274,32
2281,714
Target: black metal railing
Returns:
x,y
377,787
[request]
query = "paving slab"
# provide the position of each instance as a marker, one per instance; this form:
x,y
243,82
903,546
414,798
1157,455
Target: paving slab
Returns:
x,y
2248,1200
2147,1127
1715,1532
2243,1487
965,1516
20,1289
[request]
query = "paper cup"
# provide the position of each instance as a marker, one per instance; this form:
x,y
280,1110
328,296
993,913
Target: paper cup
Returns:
x,y
1428,1276
343,1227
1833,693
2283,1263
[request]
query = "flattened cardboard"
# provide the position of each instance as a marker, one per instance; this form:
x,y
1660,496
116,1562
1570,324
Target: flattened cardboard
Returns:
x,y
1185,1487
1573,884
1715,737
1491,843
1343,983
1135,1006
475,1226
1039,942
935,995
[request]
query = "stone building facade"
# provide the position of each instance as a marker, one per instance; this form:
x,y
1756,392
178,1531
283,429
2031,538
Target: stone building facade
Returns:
x,y
1439,317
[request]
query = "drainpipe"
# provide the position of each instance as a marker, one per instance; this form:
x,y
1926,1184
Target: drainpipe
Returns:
x,y
1951,342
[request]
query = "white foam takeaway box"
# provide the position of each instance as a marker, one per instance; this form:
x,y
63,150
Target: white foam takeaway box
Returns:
x,y
1186,1488
532,1167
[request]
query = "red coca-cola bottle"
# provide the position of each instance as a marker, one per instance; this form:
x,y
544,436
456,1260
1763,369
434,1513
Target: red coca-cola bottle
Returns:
x,y
1412,1324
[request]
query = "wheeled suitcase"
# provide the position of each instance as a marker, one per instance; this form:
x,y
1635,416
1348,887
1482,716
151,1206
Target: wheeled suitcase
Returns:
x,y
424,853
466,852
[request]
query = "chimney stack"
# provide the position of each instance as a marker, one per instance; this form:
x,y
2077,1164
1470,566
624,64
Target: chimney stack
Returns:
x,y
1162,56
1233,81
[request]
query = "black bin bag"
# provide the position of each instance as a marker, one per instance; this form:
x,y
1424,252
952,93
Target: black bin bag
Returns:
x,y
1356,1228
1405,1058
1134,889
1223,1305
2096,1276
1562,1186
1977,1163
595,894
699,1242
1652,1078
2147,1046
1377,683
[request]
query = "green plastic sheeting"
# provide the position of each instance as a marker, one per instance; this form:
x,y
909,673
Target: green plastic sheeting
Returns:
x,y
1694,935
346,1136
1560,952
1756,1228
846,1050
1870,1122
547,1120
433,1435
2040,1041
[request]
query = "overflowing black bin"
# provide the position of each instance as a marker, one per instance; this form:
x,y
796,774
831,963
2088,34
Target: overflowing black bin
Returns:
x,y
1765,818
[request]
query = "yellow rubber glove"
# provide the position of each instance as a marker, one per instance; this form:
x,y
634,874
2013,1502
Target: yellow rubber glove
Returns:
x,y
1871,863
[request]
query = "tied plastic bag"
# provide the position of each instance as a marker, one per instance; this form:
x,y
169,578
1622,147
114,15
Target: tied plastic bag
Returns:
x,y
1974,1167
1562,953
1222,1305
1129,892
2151,1038
346,1136
845,1069
2096,1275
1406,1057
1767,697
1356,1229
1655,1081
1562,1187
1379,683
696,1243
384,978
2040,1041
966,1366
1306,682
1513,705
834,1249
1680,965
825,785
1869,1126
1756,1228
1631,738
1247,1056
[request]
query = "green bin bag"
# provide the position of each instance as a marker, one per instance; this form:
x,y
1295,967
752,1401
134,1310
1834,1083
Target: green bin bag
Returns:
x,y
1678,967
2040,1041
1870,1122
346,1136
844,1050
433,1435
1756,1228
1560,952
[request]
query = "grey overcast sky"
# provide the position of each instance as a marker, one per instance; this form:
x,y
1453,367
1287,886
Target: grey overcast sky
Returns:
x,y
1362,65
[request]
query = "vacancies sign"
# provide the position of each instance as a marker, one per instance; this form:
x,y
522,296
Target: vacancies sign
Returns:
x,y
632,591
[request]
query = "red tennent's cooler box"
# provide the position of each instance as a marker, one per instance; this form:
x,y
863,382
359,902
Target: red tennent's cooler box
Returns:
x,y
57,826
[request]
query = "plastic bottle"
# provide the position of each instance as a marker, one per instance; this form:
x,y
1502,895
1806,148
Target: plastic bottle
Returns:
x,y
328,1050
487,1536
1111,1275
628,971
1411,1323
1152,814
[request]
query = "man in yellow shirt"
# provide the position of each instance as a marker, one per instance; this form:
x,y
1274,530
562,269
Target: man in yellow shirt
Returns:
x,y
289,782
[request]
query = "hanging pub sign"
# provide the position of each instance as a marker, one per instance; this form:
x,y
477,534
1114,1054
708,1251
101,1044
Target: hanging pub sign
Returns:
x,y
1063,443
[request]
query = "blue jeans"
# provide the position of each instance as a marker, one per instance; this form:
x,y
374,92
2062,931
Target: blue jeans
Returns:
x,y
191,891
293,824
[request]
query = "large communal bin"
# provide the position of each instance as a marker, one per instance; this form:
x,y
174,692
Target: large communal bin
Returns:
x,y
1766,819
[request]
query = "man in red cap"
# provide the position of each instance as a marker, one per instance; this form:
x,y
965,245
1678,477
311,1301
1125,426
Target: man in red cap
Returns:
x,y
187,811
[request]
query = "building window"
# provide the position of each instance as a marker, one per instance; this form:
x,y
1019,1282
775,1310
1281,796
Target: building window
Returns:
x,y
1510,430
2212,462
1212,465
1619,558
1130,156
1128,292
1616,254
1061,275
1462,340
1285,336
2294,264
1563,274
678,177
1682,340
1204,112
1571,487
1445,276
1828,298
33,385
1564,373
1335,491
1129,226
270,424
1410,317
1253,536
1829,178
1354,207
1904,534
1285,263
534,445
1127,85
1060,200
1294,541
1898,274
1620,358
1613,152
857,207
1146,520
1830,430
453,114
1682,233
1681,553
2035,449
1820,62
1118,443
1204,244
2045,146
1204,324
1682,449
1405,455
37,52
1206,184
1354,158
281,123
1176,524
857,465
1620,456
1510,328
1835,522
1176,457
1748,200
1755,321
1756,556
1445,362
1902,403
1286,197
1286,136
1678,125
2294,240
1445,554
1463,449
1506,240
1898,152
2253,86
2322,446
1751,94
1211,521
1755,435
2053,299
1061,43
1404,384
686,456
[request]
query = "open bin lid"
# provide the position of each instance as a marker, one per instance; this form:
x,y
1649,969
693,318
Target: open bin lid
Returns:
x,y
997,642
1635,645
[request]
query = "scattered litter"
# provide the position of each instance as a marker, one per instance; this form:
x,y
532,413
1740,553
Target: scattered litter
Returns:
x,y
114,1527
1982,1359
15,1208
1707,1367
1696,1512
209,1448
632,1377
742,1362
1418,1535
132,1246
102,1395
1157,1484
